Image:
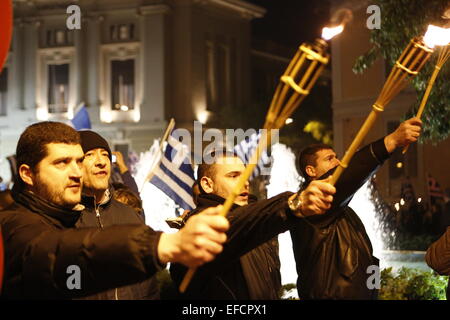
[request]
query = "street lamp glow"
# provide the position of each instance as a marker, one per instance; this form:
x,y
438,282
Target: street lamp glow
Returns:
x,y
397,206
202,116
289,120
124,108
419,200
402,202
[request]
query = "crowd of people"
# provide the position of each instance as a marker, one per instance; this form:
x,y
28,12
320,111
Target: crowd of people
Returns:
x,y
64,211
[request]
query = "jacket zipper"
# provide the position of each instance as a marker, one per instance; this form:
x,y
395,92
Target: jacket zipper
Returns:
x,y
99,220
97,214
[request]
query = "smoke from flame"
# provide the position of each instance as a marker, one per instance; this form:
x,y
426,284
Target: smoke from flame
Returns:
x,y
341,17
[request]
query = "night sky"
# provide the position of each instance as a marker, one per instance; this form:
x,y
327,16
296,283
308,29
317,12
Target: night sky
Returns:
x,y
290,22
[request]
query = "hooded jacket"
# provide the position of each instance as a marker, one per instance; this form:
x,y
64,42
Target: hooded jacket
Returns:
x,y
333,251
43,248
109,213
249,266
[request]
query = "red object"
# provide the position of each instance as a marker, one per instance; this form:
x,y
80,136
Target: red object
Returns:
x,y
5,40
5,29
1,258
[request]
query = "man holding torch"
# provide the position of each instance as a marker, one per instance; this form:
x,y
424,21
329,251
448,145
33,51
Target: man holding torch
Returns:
x,y
249,266
333,251
46,257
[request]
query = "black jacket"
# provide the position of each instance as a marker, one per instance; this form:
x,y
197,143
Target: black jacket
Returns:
x,y
332,251
41,243
249,266
111,213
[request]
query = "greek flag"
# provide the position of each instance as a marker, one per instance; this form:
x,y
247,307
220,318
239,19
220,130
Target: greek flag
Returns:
x,y
81,119
245,150
174,174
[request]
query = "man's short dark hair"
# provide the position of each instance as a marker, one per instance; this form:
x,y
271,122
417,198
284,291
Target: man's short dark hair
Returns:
x,y
32,144
209,170
308,157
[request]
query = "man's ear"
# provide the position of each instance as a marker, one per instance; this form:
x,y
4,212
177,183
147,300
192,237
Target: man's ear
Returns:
x,y
26,174
207,184
310,171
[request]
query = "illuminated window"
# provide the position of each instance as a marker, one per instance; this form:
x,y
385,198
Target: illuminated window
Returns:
x,y
220,72
121,32
122,84
3,91
223,74
58,88
58,38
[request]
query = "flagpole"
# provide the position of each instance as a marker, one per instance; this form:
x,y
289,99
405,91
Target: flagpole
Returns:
x,y
164,138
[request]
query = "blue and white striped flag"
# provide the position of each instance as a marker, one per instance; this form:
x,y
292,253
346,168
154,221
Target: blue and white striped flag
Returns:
x,y
174,174
81,119
245,150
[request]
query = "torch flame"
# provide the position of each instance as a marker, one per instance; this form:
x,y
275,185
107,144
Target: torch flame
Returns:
x,y
436,36
329,33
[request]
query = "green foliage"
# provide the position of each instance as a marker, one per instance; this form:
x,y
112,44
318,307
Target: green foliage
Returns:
x,y
402,20
412,284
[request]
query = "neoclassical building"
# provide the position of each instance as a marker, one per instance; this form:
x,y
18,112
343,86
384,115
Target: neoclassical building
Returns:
x,y
134,64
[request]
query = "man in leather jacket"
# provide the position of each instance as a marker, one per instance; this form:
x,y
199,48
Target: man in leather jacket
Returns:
x,y
333,251
249,266
47,258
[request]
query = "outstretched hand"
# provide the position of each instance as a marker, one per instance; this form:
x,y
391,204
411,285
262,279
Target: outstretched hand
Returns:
x,y
317,197
406,133
198,242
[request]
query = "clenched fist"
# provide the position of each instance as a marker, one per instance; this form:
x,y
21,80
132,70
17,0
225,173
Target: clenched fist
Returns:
x,y
317,197
406,133
198,242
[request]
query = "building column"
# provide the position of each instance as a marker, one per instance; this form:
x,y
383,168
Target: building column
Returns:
x,y
80,65
16,88
153,64
30,47
92,66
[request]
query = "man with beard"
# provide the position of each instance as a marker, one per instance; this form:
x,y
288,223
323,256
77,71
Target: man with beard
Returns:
x,y
249,266
333,252
47,258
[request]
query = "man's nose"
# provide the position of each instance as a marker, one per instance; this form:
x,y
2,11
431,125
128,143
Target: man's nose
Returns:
x,y
75,171
337,162
100,160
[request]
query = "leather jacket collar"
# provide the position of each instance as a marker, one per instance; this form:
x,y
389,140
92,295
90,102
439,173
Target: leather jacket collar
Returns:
x,y
67,217
206,200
